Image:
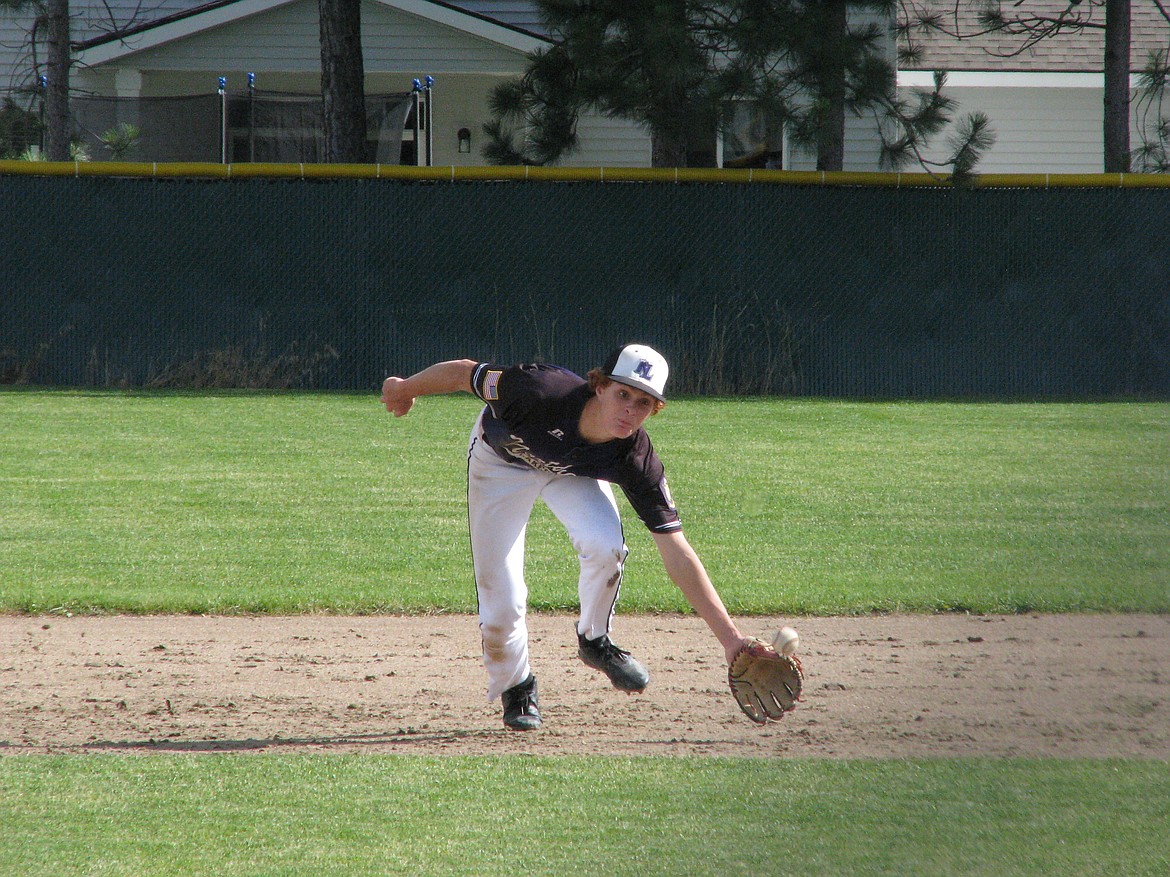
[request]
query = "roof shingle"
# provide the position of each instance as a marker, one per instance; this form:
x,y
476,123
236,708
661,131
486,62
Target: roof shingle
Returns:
x,y
1072,51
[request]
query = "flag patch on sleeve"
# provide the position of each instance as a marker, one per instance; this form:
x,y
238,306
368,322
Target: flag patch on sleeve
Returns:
x,y
491,386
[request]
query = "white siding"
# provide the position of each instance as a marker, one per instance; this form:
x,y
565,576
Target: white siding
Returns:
x,y
90,19
287,39
1038,130
862,148
15,62
393,40
516,13
608,142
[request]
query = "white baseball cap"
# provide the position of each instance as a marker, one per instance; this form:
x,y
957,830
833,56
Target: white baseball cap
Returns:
x,y
640,367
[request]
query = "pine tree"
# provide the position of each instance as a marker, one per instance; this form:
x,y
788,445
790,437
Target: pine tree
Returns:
x,y
343,81
639,60
677,65
57,64
52,27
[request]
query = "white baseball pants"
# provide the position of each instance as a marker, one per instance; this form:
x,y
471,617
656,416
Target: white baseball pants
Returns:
x,y
500,498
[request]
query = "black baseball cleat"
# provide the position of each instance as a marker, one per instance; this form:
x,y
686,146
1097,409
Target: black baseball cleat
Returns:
x,y
622,669
520,710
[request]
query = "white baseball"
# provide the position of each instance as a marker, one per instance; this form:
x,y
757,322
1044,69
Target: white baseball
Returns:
x,y
786,640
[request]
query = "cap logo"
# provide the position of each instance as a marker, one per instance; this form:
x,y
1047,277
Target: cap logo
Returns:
x,y
643,371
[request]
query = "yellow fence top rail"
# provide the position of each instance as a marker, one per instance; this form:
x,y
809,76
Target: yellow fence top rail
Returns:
x,y
513,173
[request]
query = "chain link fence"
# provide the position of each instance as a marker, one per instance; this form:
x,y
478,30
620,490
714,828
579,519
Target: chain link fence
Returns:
x,y
851,291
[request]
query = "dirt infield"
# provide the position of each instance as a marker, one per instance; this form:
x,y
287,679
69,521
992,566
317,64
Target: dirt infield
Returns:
x,y
879,686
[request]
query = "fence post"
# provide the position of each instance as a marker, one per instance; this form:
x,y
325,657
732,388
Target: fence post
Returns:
x,y
430,139
223,120
415,93
44,83
251,117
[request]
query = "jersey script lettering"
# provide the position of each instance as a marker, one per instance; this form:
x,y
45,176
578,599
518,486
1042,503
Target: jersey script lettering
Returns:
x,y
516,447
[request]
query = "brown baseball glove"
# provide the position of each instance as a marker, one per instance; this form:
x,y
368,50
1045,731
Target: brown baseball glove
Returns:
x,y
765,683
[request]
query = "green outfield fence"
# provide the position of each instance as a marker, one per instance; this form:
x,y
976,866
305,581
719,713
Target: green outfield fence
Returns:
x,y
760,282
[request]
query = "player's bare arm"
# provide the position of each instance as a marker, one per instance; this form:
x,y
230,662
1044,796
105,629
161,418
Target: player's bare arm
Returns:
x,y
765,683
686,570
453,376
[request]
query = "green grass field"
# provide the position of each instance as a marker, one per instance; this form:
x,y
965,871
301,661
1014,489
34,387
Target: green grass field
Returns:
x,y
249,502
139,502
378,815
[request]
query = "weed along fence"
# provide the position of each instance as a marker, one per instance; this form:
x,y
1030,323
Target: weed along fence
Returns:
x,y
756,282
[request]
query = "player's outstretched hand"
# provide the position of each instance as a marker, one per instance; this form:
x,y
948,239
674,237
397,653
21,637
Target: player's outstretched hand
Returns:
x,y
395,397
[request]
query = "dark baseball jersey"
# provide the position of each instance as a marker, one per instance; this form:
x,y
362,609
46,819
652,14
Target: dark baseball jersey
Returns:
x,y
532,417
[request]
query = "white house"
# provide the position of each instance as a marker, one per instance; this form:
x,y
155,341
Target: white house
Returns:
x,y
402,40
1046,103
467,46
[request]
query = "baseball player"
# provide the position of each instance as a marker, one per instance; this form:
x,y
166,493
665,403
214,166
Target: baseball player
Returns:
x,y
547,433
